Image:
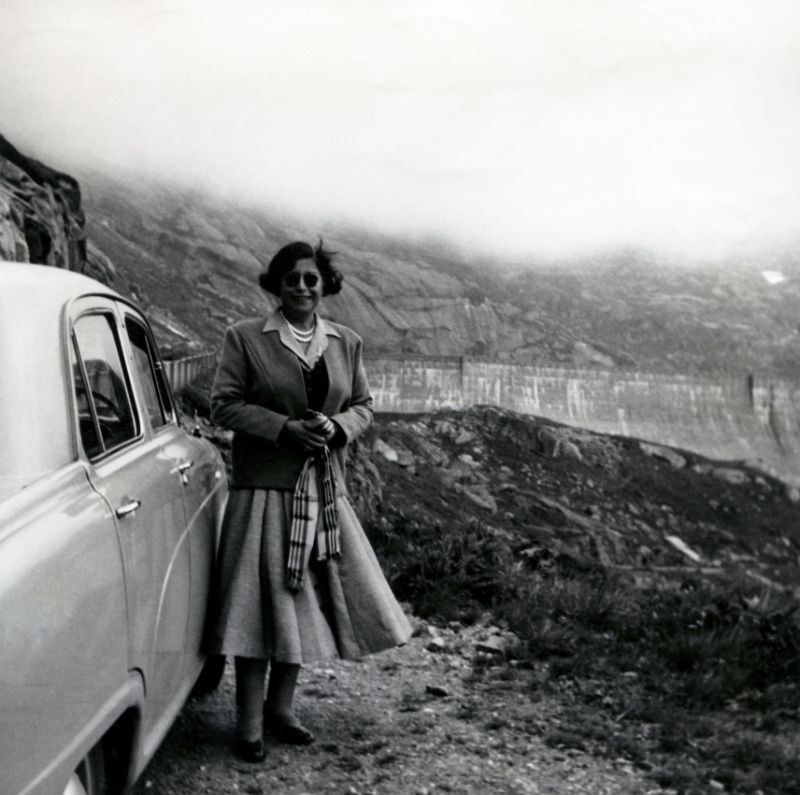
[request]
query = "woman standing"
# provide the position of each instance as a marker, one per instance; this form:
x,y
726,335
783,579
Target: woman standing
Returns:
x,y
297,579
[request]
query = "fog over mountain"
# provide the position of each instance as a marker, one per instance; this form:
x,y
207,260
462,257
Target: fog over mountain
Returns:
x,y
193,260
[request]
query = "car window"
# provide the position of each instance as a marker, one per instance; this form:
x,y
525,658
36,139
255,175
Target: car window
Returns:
x,y
105,409
87,422
156,398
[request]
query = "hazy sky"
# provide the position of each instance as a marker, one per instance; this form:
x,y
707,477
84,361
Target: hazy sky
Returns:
x,y
541,126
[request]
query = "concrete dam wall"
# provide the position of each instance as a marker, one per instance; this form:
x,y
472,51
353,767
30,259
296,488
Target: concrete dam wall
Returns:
x,y
728,418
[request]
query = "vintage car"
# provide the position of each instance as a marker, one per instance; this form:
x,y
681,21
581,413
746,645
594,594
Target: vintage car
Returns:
x,y
109,519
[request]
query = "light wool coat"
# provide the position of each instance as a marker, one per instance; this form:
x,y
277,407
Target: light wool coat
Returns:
x,y
259,387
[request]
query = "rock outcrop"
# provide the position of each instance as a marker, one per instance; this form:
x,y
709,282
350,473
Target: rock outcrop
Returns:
x,y
549,492
42,219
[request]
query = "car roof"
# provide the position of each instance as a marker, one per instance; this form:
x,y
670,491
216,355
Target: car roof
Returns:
x,y
35,426
54,285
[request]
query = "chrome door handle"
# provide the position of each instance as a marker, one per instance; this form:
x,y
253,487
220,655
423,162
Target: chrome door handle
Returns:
x,y
128,508
182,469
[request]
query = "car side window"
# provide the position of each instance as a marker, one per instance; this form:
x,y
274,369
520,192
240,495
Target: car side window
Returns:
x,y
87,421
149,375
105,409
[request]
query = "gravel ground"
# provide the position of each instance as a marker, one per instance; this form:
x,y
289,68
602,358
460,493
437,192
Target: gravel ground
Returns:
x,y
437,715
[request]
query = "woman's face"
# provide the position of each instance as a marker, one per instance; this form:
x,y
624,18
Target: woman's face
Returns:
x,y
301,290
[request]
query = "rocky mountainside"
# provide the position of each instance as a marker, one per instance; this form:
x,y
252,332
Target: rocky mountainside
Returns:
x,y
648,313
552,493
193,261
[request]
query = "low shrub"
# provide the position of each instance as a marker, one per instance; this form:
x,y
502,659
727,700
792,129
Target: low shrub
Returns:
x,y
716,639
446,574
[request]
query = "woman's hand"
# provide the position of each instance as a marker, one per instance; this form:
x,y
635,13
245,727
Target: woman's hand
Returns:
x,y
311,433
317,421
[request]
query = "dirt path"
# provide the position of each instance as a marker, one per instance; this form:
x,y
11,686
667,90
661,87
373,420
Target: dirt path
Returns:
x,y
420,719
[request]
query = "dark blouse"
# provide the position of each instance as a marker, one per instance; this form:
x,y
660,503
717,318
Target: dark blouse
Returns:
x,y
317,383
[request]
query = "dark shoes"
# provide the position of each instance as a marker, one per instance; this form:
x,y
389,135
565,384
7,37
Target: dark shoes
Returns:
x,y
252,751
289,733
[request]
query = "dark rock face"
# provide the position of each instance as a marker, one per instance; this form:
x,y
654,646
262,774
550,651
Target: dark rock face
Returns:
x,y
41,217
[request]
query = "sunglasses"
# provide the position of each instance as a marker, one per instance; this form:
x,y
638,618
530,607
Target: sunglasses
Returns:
x,y
293,279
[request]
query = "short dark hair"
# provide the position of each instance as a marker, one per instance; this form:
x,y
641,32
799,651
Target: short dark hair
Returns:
x,y
270,279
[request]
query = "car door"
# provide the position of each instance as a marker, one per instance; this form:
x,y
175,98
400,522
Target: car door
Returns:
x,y
130,469
201,472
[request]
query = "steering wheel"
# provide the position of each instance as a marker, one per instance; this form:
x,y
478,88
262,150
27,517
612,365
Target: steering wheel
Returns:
x,y
106,402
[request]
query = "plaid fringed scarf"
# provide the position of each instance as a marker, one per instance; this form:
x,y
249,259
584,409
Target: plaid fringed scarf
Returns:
x,y
305,513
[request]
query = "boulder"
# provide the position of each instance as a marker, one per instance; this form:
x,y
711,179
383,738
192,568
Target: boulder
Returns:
x,y
667,454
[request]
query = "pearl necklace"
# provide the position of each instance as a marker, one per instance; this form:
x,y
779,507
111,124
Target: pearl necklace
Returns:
x,y
303,337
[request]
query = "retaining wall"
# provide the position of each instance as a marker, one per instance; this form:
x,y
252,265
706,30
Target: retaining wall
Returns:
x,y
730,417
183,371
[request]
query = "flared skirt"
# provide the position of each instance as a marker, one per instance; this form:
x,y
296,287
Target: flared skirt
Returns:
x,y
345,607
